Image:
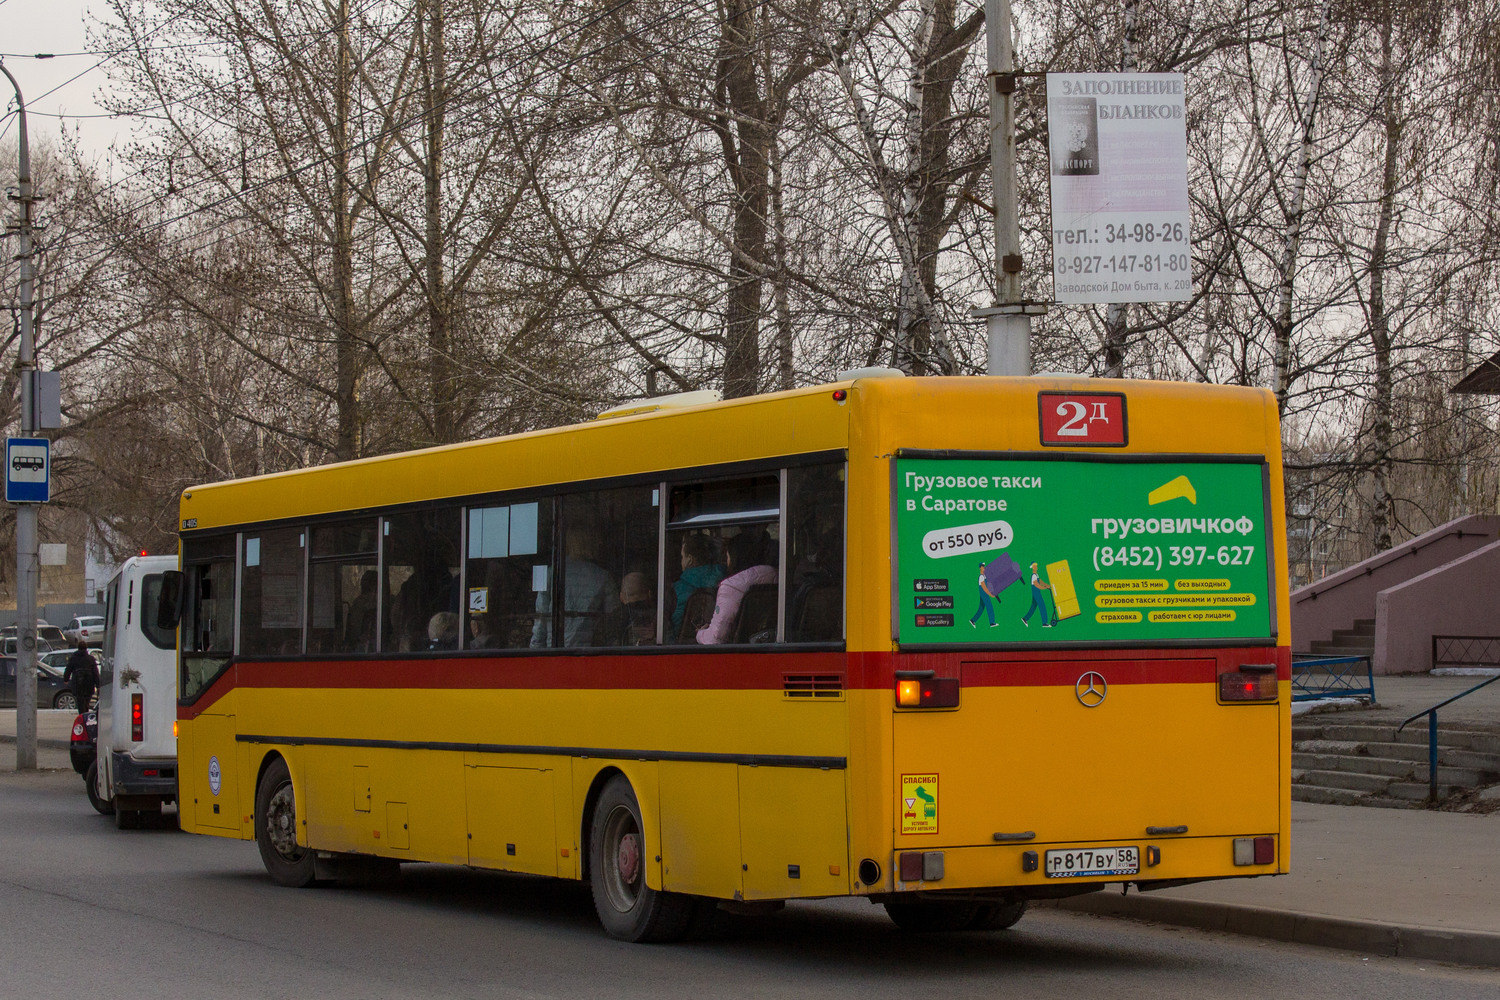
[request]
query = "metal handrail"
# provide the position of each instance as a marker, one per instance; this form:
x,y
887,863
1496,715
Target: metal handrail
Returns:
x,y
1379,561
1431,714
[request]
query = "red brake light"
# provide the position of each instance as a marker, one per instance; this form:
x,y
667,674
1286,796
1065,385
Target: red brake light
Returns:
x,y
1253,682
137,718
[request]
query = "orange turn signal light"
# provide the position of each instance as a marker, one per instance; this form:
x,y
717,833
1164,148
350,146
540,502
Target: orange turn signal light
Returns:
x,y
926,691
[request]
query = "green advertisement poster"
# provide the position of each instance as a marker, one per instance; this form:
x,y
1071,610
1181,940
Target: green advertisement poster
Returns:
x,y
1018,550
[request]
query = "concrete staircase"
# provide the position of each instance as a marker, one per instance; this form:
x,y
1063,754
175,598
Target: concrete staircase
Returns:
x,y
1373,765
1356,641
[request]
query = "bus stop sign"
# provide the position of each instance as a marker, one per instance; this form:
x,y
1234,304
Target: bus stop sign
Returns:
x,y
28,470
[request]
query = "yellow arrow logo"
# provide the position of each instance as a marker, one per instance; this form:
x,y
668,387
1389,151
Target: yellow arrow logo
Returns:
x,y
1179,487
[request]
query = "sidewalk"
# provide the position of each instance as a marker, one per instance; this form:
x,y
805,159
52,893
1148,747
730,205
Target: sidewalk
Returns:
x,y
1403,882
53,728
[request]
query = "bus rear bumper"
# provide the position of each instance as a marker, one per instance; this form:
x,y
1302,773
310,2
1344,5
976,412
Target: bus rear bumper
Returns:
x,y
150,777
1021,869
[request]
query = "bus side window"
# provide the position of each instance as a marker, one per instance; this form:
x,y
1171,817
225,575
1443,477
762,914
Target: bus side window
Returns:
x,y
421,598
509,559
815,553
608,567
724,530
342,587
271,609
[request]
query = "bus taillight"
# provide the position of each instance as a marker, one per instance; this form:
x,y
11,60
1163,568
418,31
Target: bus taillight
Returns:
x,y
1252,682
137,718
925,690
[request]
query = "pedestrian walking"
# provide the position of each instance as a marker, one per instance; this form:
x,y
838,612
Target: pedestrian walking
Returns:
x,y
82,676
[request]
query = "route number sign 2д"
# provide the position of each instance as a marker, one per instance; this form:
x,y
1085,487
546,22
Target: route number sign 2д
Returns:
x,y
1083,419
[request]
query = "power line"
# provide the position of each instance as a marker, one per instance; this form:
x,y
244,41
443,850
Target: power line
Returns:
x,y
310,36
295,170
42,97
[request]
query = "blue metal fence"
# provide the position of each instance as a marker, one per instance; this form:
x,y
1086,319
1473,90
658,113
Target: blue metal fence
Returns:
x,y
1315,677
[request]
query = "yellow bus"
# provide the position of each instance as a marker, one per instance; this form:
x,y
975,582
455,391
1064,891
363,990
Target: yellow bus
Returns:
x,y
951,644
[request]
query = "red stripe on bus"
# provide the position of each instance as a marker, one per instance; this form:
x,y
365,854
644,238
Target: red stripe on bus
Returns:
x,y
730,671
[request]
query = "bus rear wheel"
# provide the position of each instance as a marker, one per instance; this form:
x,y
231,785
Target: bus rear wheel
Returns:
x,y
998,916
933,917
629,909
276,829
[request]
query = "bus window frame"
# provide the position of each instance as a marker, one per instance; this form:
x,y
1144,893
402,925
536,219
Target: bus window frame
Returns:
x,y
662,480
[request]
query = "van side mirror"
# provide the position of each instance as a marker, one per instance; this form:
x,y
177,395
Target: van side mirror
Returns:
x,y
169,610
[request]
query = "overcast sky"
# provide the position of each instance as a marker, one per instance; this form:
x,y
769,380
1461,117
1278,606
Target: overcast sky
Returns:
x,y
31,26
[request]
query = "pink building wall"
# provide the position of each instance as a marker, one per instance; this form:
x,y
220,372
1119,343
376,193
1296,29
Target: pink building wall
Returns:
x,y
1459,598
1336,601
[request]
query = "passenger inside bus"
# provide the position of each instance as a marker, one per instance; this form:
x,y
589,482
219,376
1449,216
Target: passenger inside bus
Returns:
x,y
700,570
589,593
639,604
359,621
749,567
442,631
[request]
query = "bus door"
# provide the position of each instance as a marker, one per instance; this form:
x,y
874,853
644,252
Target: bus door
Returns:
x,y
210,790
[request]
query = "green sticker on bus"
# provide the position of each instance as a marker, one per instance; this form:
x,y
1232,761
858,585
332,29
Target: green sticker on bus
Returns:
x,y
1021,550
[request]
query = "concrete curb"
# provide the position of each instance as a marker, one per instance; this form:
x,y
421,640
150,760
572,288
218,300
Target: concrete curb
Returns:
x,y
1369,936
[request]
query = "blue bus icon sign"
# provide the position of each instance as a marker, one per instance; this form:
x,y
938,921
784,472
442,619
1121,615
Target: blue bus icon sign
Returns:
x,y
28,464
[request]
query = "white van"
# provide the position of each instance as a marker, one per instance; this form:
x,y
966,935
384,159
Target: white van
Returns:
x,y
136,764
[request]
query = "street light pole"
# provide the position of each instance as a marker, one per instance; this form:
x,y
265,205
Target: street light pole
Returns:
x,y
26,547
1008,322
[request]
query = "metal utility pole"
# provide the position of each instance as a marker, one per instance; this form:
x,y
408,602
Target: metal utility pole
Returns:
x,y
26,549
1009,321
1117,316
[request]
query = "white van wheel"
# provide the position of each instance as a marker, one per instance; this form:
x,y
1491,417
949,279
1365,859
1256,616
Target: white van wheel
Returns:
x,y
102,806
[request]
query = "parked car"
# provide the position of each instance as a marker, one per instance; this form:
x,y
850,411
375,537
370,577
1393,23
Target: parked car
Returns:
x,y
88,629
83,749
50,634
8,645
51,690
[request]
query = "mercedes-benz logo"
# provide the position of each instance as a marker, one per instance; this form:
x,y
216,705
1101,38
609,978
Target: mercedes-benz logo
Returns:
x,y
1091,689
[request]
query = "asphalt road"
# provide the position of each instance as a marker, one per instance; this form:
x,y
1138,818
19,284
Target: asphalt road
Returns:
x,y
85,909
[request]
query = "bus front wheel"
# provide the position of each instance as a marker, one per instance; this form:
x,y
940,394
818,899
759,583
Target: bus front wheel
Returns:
x,y
628,908
276,829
